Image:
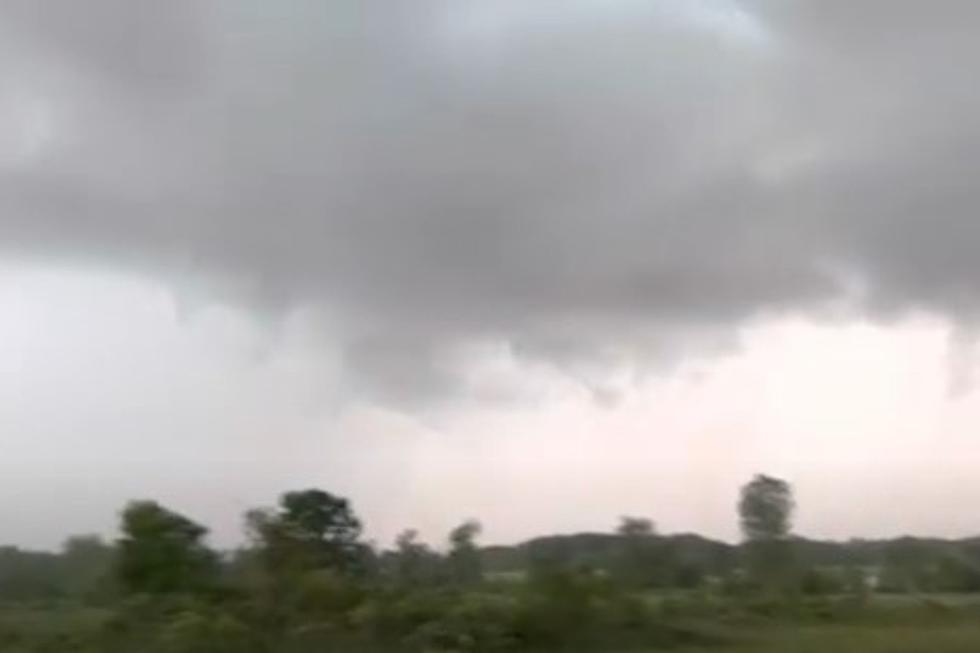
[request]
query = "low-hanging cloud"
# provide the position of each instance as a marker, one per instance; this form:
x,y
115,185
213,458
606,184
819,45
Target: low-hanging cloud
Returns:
x,y
578,179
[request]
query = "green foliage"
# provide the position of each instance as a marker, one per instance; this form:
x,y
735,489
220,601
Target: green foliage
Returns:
x,y
464,557
199,632
308,584
311,529
176,624
911,566
319,516
561,602
819,582
162,551
81,571
27,575
688,575
475,622
956,573
413,563
641,558
327,594
444,620
86,565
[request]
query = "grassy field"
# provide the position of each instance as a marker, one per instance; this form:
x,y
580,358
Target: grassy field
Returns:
x,y
886,624
961,638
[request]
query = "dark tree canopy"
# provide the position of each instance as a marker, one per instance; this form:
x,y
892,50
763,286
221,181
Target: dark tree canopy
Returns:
x,y
414,563
766,509
641,558
86,565
311,529
162,551
765,512
464,535
300,588
635,527
316,515
464,556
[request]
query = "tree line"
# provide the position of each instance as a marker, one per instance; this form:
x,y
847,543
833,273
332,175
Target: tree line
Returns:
x,y
305,571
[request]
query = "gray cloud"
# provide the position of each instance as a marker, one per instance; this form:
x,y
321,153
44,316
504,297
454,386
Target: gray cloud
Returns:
x,y
585,180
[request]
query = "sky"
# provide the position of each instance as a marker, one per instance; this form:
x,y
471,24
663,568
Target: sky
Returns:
x,y
541,263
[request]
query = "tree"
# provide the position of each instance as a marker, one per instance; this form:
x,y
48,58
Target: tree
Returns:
x,y
413,563
27,575
464,556
766,508
86,565
635,527
765,512
311,529
162,551
318,516
641,558
908,563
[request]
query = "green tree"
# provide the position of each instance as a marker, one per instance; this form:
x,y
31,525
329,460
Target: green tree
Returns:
x,y
162,551
464,556
909,564
955,572
635,527
28,575
311,529
765,512
86,566
415,564
641,559
766,509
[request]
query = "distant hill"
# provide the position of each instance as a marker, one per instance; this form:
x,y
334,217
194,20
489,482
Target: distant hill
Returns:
x,y
714,556
597,549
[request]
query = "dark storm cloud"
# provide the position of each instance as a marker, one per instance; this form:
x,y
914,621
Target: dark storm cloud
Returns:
x,y
571,177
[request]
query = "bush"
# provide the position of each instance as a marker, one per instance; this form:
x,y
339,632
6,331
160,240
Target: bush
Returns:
x,y
477,622
817,582
326,593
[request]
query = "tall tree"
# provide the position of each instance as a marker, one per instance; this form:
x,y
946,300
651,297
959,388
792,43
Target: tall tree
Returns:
x,y
635,527
162,551
766,508
464,556
765,512
311,529
86,565
641,559
416,564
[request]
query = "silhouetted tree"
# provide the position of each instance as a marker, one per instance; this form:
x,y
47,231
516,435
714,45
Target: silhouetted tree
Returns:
x,y
641,559
413,563
311,529
635,527
766,509
464,556
27,575
162,551
765,512
86,565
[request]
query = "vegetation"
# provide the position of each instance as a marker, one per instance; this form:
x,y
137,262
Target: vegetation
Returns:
x,y
306,581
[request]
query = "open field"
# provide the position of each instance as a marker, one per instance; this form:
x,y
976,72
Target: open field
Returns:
x,y
960,638
886,624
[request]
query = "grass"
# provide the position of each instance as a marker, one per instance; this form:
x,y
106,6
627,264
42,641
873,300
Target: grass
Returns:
x,y
888,624
960,638
65,618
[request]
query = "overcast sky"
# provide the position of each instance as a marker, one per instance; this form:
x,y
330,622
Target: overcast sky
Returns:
x,y
537,262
